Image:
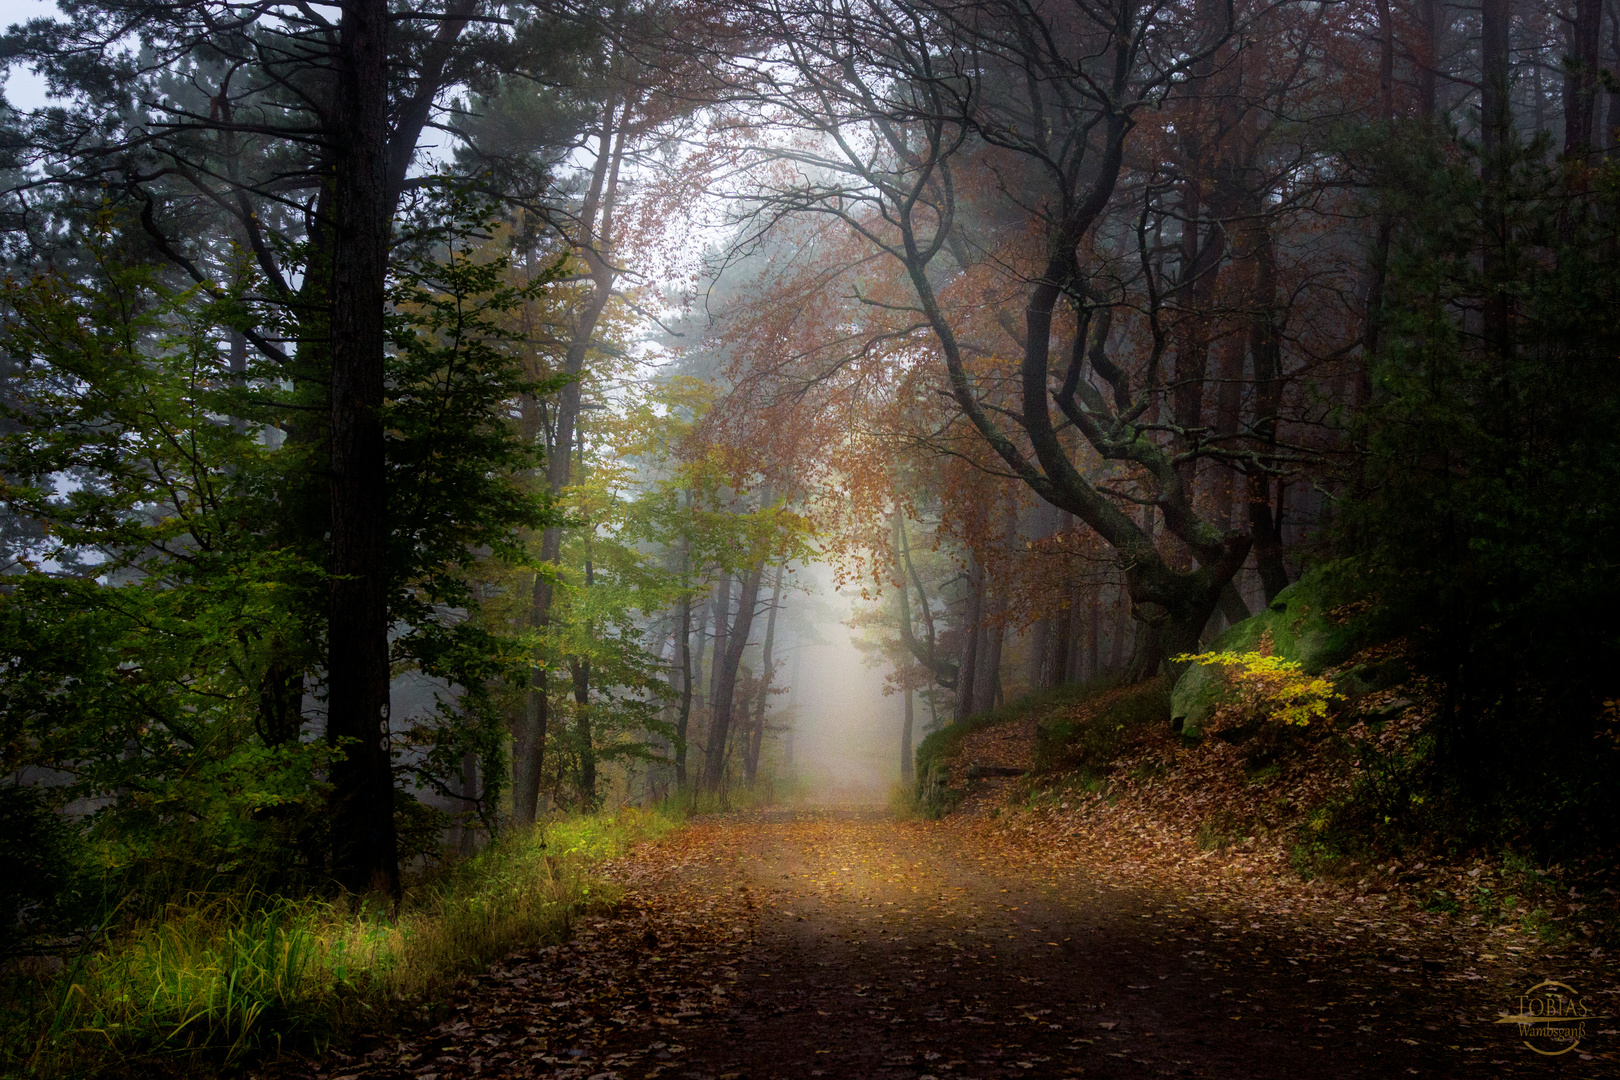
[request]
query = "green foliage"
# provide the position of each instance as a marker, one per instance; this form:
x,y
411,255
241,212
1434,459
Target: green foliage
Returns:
x,y
167,614
461,493
150,606
42,868
1490,506
215,980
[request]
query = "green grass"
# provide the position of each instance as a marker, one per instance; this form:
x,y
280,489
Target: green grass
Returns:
x,y
217,981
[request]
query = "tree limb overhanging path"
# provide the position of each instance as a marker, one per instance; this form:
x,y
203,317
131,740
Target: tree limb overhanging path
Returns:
x,y
844,943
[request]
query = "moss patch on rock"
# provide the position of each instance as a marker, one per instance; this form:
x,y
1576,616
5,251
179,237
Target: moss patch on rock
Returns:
x,y
1318,621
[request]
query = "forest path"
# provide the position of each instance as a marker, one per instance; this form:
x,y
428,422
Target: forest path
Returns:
x,y
844,943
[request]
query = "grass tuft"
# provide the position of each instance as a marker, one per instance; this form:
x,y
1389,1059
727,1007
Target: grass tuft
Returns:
x,y
215,981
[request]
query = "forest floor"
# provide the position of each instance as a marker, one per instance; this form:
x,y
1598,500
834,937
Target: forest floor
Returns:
x,y
847,943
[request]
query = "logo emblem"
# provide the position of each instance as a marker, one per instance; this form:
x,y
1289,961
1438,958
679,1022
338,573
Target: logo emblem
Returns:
x,y
1551,1018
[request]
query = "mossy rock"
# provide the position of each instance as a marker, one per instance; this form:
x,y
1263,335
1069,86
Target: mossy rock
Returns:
x,y
1318,621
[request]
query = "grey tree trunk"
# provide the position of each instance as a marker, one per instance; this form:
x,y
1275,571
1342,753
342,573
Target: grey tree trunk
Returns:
x,y
1093,633
987,682
683,643
583,736
766,671
972,615
1123,630
1038,636
722,621
726,686
793,693
907,764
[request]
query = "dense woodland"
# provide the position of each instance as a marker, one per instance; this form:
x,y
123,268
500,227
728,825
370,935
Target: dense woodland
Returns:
x,y
514,360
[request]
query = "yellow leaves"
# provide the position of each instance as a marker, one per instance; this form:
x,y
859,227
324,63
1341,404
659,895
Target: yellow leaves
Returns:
x,y
1274,686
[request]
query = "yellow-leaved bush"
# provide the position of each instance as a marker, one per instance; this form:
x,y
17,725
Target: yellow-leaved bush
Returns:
x,y
1273,686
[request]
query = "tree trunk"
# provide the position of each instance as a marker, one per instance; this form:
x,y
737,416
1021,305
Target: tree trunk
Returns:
x,y
722,617
725,690
1123,630
1265,347
683,619
1038,636
972,612
793,691
1386,61
468,840
907,765
1428,58
766,671
600,195
1093,632
1057,650
1495,118
1581,79
939,669
1074,663
581,671
281,698
364,851
987,684
701,634
1496,127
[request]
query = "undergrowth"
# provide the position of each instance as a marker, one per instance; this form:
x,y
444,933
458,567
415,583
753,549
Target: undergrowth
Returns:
x,y
768,790
216,981
1086,740
1073,732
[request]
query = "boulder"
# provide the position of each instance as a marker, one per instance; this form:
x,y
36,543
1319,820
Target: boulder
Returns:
x,y
1318,621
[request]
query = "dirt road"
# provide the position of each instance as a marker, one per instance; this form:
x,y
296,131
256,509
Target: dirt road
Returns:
x,y
847,944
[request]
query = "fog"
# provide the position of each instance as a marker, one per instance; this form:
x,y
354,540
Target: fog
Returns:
x,y
845,730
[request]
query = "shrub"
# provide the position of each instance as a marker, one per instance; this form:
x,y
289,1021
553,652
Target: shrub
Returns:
x,y
1273,687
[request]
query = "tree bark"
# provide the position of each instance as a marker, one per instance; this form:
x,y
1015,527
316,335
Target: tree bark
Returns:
x,y
725,691
766,671
705,610
972,614
364,851
683,618
987,684
1581,80
721,602
907,764
1496,127
1265,349
1428,58
1494,117
1123,629
941,670
1093,633
581,670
